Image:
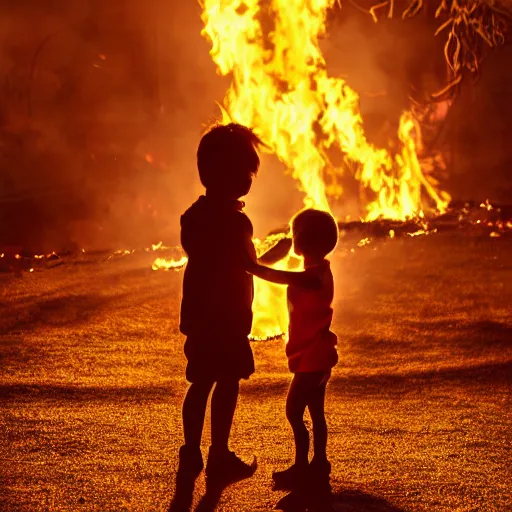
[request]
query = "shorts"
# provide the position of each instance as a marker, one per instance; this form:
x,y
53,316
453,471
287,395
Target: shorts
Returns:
x,y
210,359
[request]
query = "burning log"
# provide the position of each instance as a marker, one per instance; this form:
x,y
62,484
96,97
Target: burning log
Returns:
x,y
460,215
15,259
476,217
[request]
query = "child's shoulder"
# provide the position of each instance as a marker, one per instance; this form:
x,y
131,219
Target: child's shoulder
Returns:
x,y
321,271
242,223
228,215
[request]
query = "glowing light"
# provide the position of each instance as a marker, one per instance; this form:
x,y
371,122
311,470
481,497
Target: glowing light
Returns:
x,y
280,88
417,233
486,205
169,264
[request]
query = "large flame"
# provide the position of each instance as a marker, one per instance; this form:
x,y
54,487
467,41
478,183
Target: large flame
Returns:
x,y
281,89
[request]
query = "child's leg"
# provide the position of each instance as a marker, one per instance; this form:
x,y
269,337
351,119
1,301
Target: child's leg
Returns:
x,y
296,403
316,406
225,396
222,463
194,408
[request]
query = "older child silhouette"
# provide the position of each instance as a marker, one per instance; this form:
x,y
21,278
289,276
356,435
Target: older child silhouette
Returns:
x,y
216,313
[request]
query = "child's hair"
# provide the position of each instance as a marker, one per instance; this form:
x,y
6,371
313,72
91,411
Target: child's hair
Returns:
x,y
227,154
315,233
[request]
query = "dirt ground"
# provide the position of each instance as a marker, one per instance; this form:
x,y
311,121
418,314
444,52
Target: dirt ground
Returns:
x,y
419,407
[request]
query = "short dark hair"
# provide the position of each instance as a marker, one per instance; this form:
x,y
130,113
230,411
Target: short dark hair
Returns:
x,y
227,152
315,233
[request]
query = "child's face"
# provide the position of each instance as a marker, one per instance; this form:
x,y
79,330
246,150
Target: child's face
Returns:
x,y
240,187
244,186
235,189
297,248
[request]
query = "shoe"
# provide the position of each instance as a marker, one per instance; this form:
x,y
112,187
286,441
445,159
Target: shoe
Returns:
x,y
191,461
290,478
226,467
319,471
319,468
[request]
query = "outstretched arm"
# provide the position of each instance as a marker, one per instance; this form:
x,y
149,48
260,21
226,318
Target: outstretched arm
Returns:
x,y
300,279
277,252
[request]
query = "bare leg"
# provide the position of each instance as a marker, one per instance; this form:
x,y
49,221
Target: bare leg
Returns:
x,y
316,406
194,409
224,401
223,465
295,406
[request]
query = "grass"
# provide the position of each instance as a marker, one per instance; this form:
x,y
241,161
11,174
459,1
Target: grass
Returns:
x,y
92,379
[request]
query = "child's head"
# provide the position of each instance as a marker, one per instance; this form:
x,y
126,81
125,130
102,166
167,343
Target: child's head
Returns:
x,y
315,233
227,160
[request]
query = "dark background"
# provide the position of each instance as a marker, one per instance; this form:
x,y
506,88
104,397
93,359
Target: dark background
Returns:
x,y
102,105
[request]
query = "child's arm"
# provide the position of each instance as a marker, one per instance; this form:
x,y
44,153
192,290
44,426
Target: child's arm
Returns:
x,y
277,252
273,255
300,279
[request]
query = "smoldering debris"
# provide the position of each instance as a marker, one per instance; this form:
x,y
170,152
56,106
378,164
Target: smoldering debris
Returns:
x,y
470,218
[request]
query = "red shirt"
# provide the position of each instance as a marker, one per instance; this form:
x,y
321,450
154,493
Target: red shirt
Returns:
x,y
311,345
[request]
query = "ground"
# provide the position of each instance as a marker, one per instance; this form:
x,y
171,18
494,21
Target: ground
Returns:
x,y
419,407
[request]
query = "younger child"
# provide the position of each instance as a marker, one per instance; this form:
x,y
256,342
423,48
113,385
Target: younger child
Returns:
x,y
311,347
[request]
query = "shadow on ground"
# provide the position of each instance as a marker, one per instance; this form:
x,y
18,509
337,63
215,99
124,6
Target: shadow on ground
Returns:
x,y
492,372
54,311
492,333
183,496
29,393
316,497
343,500
399,383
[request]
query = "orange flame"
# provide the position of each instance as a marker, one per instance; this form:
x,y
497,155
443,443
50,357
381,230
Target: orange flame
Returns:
x,y
280,88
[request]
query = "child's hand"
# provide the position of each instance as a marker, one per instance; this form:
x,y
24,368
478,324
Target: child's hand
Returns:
x,y
276,253
283,247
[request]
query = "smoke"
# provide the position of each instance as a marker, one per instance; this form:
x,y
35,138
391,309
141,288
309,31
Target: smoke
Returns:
x,y
102,105
478,132
100,115
388,62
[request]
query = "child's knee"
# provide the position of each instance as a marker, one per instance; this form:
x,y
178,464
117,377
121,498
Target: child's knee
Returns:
x,y
294,414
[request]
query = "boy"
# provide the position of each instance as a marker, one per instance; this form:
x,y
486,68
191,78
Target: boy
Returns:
x,y
311,347
216,313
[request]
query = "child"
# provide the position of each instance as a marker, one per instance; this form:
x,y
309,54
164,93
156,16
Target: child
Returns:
x,y
216,313
311,347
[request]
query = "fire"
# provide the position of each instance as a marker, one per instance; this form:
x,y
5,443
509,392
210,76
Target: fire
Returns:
x,y
165,264
280,88
269,306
